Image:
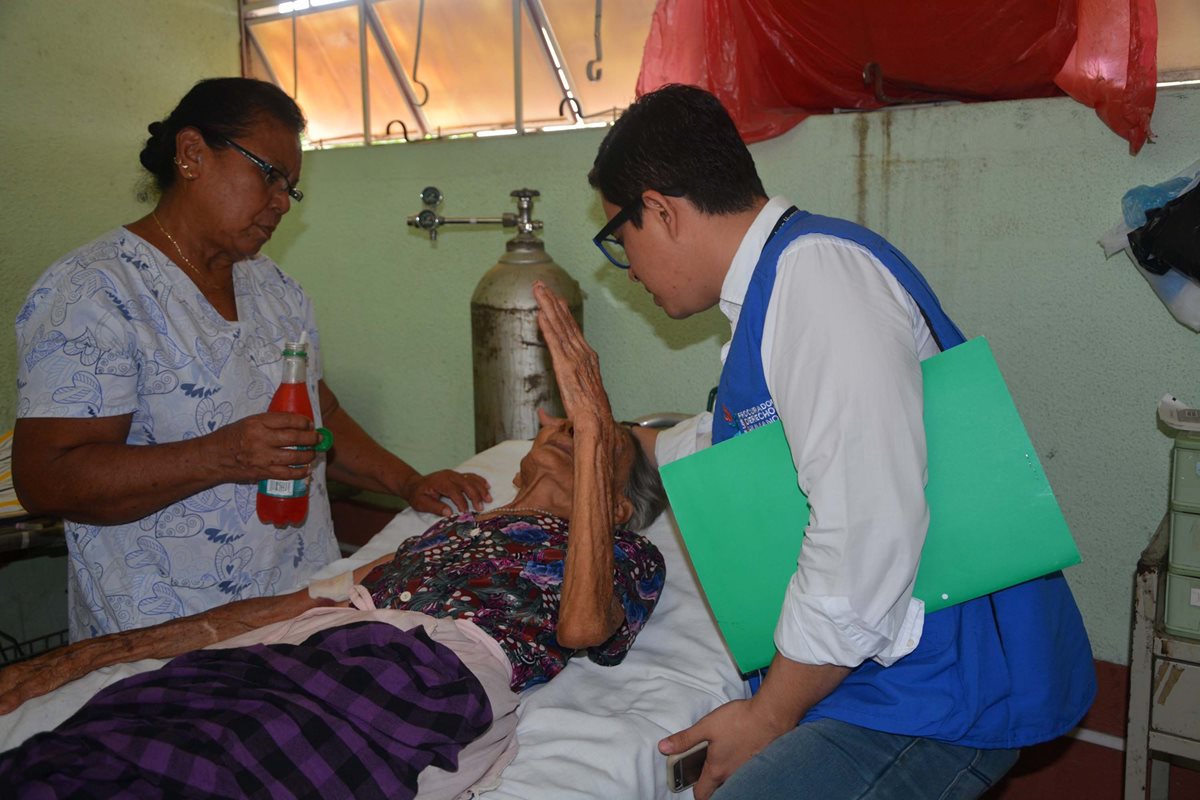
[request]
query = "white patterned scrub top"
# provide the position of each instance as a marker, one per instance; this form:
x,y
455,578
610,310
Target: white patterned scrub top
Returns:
x,y
116,328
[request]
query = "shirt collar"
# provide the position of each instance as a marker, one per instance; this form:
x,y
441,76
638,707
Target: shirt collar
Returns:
x,y
741,270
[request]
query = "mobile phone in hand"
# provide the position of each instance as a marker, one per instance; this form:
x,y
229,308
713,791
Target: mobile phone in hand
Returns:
x,y
683,769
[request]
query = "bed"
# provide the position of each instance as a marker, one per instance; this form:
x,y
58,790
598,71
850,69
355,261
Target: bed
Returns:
x,y
589,733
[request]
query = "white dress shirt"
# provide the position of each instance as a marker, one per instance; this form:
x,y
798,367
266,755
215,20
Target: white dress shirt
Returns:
x,y
841,351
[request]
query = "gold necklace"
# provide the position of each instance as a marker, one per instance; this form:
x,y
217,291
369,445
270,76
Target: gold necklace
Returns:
x,y
179,250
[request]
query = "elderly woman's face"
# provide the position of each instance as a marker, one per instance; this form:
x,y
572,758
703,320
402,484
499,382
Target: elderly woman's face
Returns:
x,y
248,207
553,455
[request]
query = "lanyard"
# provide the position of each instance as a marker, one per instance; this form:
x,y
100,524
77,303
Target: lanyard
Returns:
x,y
783,218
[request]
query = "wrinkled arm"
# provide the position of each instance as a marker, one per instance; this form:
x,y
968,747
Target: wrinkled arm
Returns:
x,y
47,672
589,612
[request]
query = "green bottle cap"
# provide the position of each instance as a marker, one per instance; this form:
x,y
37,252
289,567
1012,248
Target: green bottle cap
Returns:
x,y
323,445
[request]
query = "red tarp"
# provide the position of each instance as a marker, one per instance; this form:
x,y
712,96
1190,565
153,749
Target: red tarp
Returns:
x,y
774,62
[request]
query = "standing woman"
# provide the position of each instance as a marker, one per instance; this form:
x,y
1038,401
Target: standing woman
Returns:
x,y
147,360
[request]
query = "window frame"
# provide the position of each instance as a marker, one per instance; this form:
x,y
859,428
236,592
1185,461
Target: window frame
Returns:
x,y
532,12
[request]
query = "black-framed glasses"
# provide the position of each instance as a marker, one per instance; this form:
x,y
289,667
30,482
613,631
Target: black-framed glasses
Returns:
x,y
275,177
611,246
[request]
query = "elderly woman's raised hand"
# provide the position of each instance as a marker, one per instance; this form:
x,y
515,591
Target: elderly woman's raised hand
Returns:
x,y
576,365
256,448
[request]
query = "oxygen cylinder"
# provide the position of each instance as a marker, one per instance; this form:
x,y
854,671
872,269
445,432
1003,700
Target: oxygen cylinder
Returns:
x,y
511,364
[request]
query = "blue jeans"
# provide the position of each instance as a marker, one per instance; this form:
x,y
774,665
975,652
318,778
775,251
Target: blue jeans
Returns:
x,y
830,760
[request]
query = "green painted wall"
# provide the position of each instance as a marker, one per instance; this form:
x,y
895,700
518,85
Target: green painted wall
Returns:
x,y
79,82
1000,204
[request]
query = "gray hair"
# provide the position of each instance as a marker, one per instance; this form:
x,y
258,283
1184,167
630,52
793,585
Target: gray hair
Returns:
x,y
644,489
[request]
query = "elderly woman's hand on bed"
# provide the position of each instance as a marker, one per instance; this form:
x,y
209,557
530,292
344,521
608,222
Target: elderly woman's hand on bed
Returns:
x,y
464,489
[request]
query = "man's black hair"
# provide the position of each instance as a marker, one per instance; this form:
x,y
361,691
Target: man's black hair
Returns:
x,y
677,140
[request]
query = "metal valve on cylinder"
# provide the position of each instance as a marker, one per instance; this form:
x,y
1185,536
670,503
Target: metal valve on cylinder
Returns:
x,y
429,220
511,365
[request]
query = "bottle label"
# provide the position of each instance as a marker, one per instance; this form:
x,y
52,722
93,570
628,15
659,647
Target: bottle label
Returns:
x,y
278,488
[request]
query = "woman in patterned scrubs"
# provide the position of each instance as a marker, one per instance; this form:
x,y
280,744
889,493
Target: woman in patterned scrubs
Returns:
x,y
147,360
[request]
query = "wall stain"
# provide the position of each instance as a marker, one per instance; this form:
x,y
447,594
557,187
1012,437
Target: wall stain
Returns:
x,y
862,129
886,170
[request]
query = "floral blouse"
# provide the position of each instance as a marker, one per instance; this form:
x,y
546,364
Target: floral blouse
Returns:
x,y
117,328
505,574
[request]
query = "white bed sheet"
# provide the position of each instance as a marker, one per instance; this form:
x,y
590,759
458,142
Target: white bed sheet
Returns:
x,y
589,733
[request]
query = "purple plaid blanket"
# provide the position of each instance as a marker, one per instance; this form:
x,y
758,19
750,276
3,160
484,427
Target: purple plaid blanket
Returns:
x,y
355,711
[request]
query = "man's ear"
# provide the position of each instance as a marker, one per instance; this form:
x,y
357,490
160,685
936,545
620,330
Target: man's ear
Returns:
x,y
662,210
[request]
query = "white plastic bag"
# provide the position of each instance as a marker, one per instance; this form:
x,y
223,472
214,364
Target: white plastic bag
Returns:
x,y
1179,293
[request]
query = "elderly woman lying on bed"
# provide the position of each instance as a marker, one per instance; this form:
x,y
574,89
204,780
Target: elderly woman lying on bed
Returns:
x,y
325,701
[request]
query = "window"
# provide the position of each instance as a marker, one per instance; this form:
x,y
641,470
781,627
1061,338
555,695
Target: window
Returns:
x,y
1178,33
410,69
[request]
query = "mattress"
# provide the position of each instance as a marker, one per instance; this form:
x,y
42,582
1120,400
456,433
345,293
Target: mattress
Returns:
x,y
589,733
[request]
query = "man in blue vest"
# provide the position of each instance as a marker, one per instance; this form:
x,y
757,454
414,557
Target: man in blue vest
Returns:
x,y
867,695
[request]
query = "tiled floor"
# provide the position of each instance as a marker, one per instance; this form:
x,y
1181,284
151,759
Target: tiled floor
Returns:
x,y
1068,768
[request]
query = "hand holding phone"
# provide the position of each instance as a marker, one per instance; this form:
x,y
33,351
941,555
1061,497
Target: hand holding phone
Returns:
x,y
683,769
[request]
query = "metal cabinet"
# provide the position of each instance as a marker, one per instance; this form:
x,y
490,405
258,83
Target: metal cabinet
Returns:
x,y
1164,683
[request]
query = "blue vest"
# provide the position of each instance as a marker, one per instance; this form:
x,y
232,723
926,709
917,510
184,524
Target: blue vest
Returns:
x,y
1007,670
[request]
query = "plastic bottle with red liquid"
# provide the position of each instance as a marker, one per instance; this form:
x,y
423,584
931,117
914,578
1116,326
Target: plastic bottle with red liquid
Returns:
x,y
285,502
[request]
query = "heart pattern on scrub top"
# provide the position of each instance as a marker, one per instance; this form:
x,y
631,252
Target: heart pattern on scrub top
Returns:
x,y
165,601
43,345
84,389
260,386
229,563
150,554
145,309
245,498
211,415
214,355
174,522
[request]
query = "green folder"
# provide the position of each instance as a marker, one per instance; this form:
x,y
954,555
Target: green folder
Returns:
x,y
994,521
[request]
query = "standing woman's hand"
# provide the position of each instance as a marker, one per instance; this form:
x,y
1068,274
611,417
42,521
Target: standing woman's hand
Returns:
x,y
255,448
576,365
